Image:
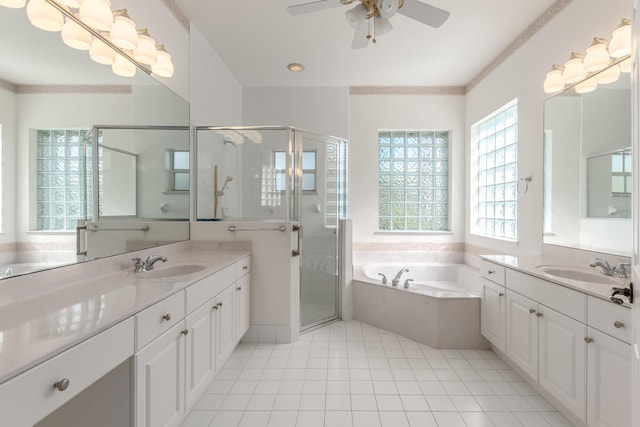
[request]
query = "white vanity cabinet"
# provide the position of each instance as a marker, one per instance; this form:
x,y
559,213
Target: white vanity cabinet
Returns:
x,y
522,333
493,304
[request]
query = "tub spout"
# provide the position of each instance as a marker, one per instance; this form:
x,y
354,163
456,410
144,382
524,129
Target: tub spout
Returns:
x,y
396,280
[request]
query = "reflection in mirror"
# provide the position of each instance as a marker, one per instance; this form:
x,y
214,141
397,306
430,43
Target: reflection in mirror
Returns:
x,y
587,171
51,99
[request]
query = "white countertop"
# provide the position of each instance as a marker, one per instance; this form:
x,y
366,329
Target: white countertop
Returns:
x,y
527,264
46,313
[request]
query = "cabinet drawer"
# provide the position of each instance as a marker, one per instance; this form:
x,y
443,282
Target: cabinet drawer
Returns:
x,y
158,318
31,396
565,300
491,271
610,318
207,288
243,267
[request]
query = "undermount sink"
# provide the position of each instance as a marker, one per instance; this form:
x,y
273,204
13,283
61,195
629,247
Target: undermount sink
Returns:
x,y
577,273
171,272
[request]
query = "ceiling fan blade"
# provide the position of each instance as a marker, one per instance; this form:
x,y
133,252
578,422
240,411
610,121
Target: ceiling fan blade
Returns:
x,y
314,6
360,39
423,12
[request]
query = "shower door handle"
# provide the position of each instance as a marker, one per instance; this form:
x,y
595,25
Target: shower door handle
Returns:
x,y
298,228
79,250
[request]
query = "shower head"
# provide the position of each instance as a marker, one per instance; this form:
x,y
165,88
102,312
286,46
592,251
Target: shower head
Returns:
x,y
228,178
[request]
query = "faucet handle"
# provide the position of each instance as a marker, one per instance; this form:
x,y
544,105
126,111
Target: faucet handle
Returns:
x,y
406,283
384,278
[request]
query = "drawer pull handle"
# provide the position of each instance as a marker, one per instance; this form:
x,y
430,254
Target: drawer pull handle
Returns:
x,y
166,317
61,385
539,314
500,294
531,310
184,332
618,324
239,288
588,340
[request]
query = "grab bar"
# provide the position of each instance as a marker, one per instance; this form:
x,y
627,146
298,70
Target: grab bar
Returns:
x,y
95,227
282,229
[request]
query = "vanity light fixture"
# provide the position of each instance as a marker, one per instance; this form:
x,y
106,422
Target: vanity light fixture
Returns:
x,y
146,51
73,35
75,4
97,14
621,39
296,67
164,66
13,4
101,53
44,16
123,67
602,64
123,32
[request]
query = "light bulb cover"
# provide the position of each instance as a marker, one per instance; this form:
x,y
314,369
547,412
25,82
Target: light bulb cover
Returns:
x,y
381,25
146,51
586,86
13,4
357,15
123,67
626,66
44,16
73,35
164,66
123,32
597,57
75,4
608,75
554,82
620,44
97,14
101,52
574,69
387,8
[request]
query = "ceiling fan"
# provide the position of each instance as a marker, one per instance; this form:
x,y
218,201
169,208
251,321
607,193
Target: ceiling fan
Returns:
x,y
370,18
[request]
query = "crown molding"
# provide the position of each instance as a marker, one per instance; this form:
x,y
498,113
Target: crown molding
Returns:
x,y
179,15
406,90
8,86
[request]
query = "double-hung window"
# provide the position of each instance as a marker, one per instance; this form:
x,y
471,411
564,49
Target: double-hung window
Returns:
x,y
494,186
413,181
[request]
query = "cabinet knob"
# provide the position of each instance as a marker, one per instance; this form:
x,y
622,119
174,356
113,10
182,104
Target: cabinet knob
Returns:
x,y
166,317
490,271
61,385
500,294
588,340
239,288
531,310
245,267
539,314
215,307
184,332
219,304
618,324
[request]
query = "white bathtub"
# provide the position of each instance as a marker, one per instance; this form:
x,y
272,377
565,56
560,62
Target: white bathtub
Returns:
x,y
441,307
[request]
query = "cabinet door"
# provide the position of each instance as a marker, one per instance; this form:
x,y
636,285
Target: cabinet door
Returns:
x,y
492,319
159,380
226,336
243,306
522,332
608,380
201,355
563,359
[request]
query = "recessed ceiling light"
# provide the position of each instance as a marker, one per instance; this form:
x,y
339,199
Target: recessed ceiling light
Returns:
x,y
294,67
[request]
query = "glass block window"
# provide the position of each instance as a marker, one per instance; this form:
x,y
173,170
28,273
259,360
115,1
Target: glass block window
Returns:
x,y
178,170
331,185
60,183
413,181
494,158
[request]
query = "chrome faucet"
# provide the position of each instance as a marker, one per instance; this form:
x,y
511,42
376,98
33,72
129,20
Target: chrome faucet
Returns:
x,y
383,279
396,279
619,270
407,282
147,265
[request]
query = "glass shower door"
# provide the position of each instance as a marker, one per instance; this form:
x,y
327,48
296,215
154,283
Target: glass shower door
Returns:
x,y
318,177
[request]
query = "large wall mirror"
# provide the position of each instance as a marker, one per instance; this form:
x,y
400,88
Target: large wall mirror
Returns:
x,y
587,159
93,164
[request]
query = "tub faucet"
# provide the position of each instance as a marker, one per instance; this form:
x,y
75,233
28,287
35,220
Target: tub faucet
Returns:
x,y
383,279
396,279
147,265
406,283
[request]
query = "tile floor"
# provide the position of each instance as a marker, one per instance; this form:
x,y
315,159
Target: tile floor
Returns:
x,y
352,374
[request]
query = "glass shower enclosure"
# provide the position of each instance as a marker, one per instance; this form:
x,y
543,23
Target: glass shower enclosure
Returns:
x,y
277,173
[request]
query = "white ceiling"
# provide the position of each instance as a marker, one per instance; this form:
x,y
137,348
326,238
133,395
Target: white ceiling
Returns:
x,y
258,38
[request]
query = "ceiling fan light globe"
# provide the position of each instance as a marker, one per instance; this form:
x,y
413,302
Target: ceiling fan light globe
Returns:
x,y
382,25
357,15
387,8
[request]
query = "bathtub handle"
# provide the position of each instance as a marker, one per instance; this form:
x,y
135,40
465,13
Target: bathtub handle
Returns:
x,y
406,283
384,278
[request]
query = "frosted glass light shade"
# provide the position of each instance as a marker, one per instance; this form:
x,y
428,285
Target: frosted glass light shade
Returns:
x,y
73,35
123,33
356,15
620,44
597,57
13,4
586,86
608,75
574,69
44,16
381,26
554,82
164,66
101,53
71,3
626,66
97,14
123,67
146,52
